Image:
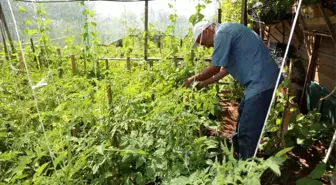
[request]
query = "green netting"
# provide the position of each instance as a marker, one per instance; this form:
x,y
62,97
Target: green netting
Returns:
x,y
327,107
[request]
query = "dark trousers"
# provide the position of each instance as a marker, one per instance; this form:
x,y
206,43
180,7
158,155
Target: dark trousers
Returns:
x,y
252,114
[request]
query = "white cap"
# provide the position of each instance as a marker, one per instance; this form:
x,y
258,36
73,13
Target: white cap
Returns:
x,y
198,29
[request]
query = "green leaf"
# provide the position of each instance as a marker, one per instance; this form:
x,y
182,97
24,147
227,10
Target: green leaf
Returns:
x,y
100,149
253,181
93,24
21,9
60,157
41,168
95,168
307,181
28,22
139,162
139,179
278,121
299,141
91,13
283,151
274,164
318,171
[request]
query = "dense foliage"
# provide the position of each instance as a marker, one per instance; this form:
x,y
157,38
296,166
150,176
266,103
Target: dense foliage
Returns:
x,y
119,123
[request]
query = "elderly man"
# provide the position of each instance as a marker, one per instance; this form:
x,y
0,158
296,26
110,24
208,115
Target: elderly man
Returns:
x,y
240,52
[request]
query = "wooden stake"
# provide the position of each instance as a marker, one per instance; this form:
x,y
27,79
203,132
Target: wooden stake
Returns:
x,y
84,55
33,48
243,18
192,56
60,69
175,61
128,63
21,61
219,15
286,114
106,64
109,95
73,65
40,60
98,68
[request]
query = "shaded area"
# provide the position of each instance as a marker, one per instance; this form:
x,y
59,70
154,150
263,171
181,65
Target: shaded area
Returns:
x,y
299,164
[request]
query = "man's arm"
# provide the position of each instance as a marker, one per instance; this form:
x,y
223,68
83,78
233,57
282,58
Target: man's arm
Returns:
x,y
221,74
204,75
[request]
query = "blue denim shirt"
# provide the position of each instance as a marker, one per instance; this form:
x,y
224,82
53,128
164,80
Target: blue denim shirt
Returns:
x,y
245,56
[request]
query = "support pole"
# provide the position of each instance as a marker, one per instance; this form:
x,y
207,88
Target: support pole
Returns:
x,y
219,15
106,64
129,64
7,54
60,69
22,66
33,50
243,18
146,31
2,18
286,114
109,95
73,65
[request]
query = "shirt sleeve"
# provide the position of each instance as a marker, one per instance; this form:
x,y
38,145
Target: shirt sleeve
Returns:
x,y
221,51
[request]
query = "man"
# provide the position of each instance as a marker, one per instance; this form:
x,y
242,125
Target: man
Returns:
x,y
240,52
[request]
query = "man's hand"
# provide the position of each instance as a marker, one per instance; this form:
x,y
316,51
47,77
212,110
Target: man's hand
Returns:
x,y
188,82
205,74
200,85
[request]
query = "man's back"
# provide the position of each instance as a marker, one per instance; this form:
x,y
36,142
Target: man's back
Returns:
x,y
245,56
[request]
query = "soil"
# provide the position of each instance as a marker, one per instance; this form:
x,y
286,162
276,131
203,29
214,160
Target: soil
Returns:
x,y
299,164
